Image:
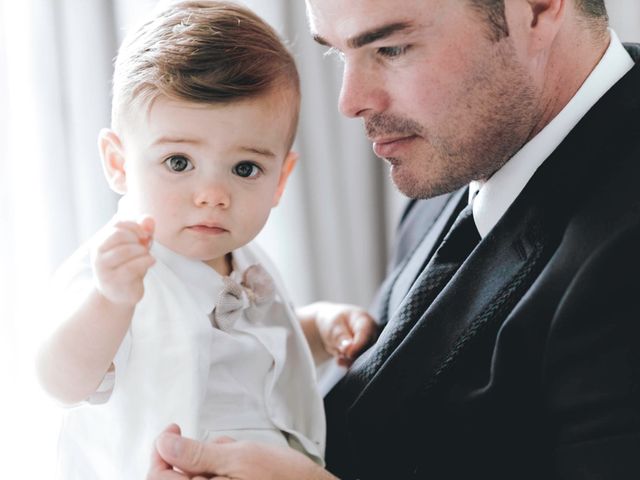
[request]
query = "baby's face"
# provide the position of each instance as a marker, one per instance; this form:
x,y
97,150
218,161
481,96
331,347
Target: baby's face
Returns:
x,y
208,174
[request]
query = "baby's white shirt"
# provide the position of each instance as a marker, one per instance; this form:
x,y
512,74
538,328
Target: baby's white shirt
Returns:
x,y
255,382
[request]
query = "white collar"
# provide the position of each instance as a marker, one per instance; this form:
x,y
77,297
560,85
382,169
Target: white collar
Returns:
x,y
493,197
202,281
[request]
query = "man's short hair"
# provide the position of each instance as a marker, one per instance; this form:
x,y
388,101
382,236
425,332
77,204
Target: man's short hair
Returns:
x,y
205,52
594,11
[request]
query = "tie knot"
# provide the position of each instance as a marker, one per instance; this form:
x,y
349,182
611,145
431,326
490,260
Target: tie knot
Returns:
x,y
253,296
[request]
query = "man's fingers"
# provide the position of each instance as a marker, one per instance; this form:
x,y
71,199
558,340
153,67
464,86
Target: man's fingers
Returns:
x,y
189,455
224,439
166,475
173,428
159,465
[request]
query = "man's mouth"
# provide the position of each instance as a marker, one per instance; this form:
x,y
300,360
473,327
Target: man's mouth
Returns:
x,y
386,147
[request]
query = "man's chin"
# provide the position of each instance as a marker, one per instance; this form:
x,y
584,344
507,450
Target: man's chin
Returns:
x,y
412,187
409,187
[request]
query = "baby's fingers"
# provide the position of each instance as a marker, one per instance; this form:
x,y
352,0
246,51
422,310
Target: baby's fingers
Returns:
x,y
148,225
364,330
124,284
122,232
138,266
121,255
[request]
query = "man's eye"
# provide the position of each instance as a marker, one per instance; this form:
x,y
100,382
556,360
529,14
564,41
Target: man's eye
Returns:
x,y
392,52
246,169
178,163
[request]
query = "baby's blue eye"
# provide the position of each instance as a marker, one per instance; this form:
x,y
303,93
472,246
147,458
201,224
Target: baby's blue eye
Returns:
x,y
178,163
246,169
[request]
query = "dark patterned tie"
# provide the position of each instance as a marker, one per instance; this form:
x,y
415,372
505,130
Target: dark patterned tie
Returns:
x,y
454,249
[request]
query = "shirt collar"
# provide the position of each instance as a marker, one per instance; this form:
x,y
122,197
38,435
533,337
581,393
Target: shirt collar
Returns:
x,y
492,198
202,281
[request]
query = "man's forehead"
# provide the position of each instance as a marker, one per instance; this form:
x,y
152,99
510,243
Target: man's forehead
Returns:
x,y
341,20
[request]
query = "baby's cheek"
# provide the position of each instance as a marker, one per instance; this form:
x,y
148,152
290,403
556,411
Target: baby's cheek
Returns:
x,y
260,216
169,214
173,207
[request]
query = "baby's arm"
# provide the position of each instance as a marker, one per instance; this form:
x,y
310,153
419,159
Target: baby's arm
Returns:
x,y
336,329
73,361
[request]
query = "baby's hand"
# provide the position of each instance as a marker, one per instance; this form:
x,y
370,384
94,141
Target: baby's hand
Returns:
x,y
121,260
345,330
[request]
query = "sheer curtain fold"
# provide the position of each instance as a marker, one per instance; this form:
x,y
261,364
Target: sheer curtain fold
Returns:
x,y
55,69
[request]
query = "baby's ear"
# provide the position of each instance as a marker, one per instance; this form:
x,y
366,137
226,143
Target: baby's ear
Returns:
x,y
112,154
287,167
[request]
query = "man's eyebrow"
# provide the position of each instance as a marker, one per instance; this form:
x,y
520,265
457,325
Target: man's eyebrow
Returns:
x,y
369,36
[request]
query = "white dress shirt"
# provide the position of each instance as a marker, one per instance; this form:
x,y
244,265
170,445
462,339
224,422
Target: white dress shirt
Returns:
x,y
492,198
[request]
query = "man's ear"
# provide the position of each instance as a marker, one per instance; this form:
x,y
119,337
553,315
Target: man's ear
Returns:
x,y
287,167
112,154
546,17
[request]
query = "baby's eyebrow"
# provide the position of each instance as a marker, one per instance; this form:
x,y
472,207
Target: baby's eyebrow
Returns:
x,y
168,139
260,151
263,152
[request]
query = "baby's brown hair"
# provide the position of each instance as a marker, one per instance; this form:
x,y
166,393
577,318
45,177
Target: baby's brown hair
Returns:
x,y
205,52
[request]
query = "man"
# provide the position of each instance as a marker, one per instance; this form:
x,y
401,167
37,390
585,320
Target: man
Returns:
x,y
516,357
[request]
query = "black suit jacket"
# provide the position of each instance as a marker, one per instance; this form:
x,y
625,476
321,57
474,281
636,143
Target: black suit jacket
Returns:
x,y
527,365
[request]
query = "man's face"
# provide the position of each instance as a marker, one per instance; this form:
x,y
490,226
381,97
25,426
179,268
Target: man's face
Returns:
x,y
441,101
208,174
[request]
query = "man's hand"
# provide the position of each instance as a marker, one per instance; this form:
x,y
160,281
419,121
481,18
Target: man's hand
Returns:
x,y
341,330
121,260
226,459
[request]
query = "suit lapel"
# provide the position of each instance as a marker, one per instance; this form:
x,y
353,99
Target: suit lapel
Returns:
x,y
490,281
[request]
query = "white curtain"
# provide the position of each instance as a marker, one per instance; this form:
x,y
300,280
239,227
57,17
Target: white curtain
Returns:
x,y
54,95
329,236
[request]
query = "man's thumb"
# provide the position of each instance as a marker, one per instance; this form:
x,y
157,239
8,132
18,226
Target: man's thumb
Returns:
x,y
170,446
186,454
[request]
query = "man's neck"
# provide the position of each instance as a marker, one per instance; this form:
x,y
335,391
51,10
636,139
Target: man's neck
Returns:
x,y
570,63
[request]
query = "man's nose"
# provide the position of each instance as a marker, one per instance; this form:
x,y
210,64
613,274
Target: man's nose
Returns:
x,y
212,194
362,93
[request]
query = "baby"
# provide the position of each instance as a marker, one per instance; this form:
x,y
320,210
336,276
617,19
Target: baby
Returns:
x,y
169,314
